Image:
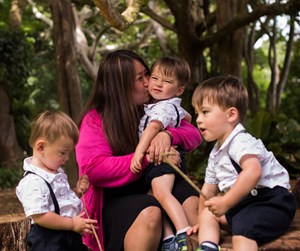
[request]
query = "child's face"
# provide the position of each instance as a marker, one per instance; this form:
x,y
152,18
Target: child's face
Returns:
x,y
213,122
163,87
56,154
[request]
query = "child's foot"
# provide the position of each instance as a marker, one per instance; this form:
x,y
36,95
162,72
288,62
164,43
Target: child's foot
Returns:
x,y
169,244
208,246
181,241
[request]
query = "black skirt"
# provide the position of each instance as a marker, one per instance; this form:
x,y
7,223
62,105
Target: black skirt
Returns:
x,y
122,206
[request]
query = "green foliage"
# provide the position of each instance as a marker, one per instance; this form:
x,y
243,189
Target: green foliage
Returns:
x,y
196,161
27,73
285,144
14,71
27,68
291,100
259,125
13,62
9,177
280,134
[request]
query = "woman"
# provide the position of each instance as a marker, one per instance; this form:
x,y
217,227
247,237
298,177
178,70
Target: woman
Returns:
x,y
128,218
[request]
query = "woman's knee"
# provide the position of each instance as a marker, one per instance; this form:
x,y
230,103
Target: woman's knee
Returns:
x,y
190,207
152,217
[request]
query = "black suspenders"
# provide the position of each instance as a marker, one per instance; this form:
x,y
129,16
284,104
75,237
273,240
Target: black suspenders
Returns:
x,y
236,165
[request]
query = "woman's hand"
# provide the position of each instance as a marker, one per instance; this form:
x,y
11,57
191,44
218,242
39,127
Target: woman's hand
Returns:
x,y
160,144
82,185
174,157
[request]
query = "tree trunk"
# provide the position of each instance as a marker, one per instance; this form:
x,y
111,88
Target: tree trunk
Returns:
x,y
13,232
189,48
69,90
231,46
287,63
272,58
11,152
251,85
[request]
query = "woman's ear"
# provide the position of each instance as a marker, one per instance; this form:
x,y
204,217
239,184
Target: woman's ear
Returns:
x,y
40,145
232,114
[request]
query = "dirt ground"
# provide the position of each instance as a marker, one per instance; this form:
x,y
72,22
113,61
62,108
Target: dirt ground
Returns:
x,y
9,204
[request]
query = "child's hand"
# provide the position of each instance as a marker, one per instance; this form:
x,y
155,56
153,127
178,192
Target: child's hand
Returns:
x,y
81,225
136,161
217,205
193,230
82,185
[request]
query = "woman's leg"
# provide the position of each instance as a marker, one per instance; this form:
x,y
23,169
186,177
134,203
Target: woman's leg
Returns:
x,y
145,232
190,207
241,243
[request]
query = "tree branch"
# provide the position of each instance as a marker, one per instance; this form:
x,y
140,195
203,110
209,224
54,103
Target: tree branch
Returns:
x,y
114,18
290,7
287,63
163,22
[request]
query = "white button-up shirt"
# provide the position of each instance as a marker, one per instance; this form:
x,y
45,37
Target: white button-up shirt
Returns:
x,y
221,171
163,111
35,196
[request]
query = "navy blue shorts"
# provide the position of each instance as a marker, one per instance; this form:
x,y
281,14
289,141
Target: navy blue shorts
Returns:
x,y
44,239
153,171
263,217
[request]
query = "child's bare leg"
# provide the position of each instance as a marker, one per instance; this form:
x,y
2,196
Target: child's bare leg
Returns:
x,y
241,243
167,228
209,227
162,191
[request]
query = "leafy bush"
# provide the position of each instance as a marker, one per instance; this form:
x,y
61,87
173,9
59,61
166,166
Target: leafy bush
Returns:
x,y
9,177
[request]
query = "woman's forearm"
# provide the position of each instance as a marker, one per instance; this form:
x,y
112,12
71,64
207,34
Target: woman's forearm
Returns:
x,y
186,135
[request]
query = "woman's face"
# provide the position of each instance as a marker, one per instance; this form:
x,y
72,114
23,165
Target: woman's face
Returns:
x,y
140,92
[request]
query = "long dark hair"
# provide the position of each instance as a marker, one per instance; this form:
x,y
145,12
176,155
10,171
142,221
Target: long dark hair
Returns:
x,y
112,97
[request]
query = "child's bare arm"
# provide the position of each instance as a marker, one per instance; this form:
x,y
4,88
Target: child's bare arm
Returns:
x,y
209,191
246,181
148,134
54,221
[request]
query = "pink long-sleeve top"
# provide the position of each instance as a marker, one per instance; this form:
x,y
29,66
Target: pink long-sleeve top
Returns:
x,y
95,158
